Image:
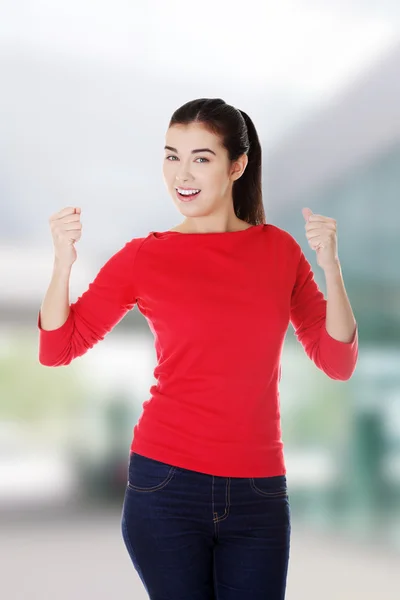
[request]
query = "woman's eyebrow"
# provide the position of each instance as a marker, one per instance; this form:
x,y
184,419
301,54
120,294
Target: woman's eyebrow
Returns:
x,y
193,151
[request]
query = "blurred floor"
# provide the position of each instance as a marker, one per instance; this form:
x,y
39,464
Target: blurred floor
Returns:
x,y
82,555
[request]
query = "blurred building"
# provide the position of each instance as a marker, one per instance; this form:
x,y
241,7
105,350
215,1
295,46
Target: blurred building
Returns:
x,y
344,162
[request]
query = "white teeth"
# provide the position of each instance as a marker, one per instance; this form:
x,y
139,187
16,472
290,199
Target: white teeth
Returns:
x,y
187,192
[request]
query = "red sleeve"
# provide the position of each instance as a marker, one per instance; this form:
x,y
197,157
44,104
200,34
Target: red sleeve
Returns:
x,y
94,314
308,316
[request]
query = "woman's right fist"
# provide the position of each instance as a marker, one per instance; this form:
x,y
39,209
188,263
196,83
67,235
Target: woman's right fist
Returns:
x,y
66,229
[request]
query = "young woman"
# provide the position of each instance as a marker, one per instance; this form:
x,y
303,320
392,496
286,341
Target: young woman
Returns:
x,y
206,511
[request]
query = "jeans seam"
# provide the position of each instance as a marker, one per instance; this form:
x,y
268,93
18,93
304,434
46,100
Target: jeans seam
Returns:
x,y
227,503
157,487
276,494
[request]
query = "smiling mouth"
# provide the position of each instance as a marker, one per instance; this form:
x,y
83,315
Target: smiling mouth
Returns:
x,y
187,197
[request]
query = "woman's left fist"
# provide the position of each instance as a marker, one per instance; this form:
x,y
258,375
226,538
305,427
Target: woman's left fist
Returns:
x,y
321,235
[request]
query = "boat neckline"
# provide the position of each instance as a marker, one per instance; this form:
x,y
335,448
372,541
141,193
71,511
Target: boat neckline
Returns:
x,y
207,233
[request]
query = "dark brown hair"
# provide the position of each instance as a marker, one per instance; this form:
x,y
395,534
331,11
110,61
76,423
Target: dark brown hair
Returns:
x,y
238,136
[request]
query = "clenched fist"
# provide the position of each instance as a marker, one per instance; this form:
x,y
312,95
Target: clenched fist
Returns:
x,y
66,229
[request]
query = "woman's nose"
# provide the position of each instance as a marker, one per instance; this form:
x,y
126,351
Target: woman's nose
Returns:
x,y
184,177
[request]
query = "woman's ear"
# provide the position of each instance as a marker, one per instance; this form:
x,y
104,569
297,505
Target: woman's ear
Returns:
x,y
239,167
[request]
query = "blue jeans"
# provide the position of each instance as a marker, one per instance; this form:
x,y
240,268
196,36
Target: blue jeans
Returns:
x,y
194,536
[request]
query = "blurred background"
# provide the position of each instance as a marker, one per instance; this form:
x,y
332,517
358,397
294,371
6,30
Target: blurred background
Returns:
x,y
87,90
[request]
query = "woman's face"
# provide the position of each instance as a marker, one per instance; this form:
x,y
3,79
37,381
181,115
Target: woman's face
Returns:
x,y
195,159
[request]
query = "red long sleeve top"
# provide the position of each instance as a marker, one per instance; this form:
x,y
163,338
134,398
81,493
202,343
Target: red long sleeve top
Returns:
x,y
219,306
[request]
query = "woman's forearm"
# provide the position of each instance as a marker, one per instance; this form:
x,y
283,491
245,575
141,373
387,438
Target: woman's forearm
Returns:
x,y
55,309
340,320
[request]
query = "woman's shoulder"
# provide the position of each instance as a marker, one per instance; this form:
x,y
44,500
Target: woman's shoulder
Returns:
x,y
281,235
125,251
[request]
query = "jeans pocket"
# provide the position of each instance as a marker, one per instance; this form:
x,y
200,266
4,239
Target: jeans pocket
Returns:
x,y
271,487
148,475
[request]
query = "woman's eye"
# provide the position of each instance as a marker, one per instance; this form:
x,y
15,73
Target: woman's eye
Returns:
x,y
199,158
